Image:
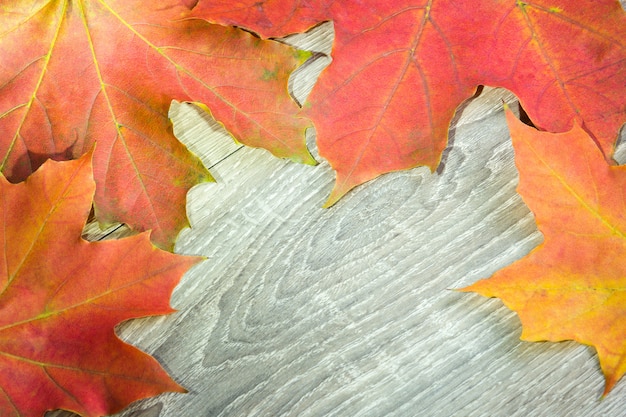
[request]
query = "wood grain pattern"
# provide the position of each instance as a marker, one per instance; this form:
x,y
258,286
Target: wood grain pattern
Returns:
x,y
348,311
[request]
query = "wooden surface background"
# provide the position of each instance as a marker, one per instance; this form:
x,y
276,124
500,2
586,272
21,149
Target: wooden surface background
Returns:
x,y
348,311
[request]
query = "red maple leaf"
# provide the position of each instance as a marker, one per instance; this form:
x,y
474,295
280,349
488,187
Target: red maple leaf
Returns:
x,y
61,298
573,285
75,73
401,68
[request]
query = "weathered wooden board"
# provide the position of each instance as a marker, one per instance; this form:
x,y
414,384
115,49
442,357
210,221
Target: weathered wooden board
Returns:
x,y
349,311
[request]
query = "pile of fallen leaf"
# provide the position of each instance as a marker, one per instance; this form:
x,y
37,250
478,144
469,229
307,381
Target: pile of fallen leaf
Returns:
x,y
91,82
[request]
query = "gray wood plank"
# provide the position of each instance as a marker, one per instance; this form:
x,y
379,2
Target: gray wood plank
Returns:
x,y
304,311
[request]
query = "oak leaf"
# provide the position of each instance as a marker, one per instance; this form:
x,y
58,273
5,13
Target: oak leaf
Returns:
x,y
77,72
401,68
61,296
573,285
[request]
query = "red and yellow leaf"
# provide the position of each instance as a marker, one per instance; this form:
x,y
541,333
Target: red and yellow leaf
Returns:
x,y
401,68
73,73
61,298
572,286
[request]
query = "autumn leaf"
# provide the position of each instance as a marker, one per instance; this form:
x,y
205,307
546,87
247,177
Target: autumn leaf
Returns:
x,y
573,285
401,68
73,73
61,298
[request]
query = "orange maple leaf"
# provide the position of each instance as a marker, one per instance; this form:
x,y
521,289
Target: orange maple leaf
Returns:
x,y
73,73
61,297
402,67
573,285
